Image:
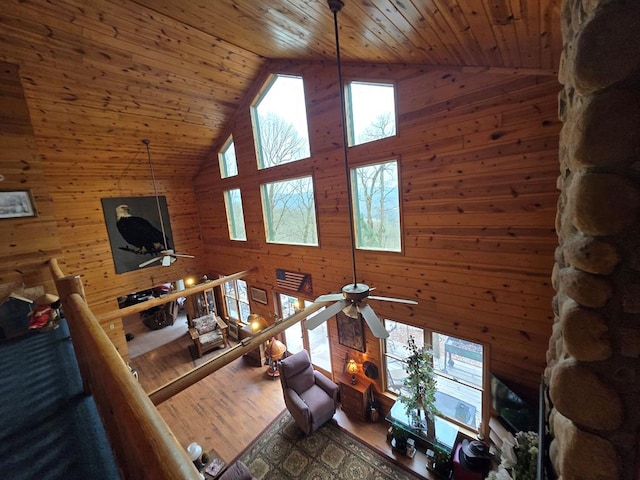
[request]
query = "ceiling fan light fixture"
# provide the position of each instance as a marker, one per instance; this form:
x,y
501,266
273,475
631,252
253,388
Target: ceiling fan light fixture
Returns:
x,y
351,311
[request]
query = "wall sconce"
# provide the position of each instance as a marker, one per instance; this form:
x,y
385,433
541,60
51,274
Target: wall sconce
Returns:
x,y
352,368
189,281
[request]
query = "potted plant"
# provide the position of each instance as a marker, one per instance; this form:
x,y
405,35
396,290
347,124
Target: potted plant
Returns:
x,y
419,393
399,437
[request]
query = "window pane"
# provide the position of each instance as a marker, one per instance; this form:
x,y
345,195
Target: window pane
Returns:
x,y
288,305
229,289
280,123
396,351
293,337
376,206
227,160
242,291
232,308
235,215
372,112
458,359
245,311
290,211
319,343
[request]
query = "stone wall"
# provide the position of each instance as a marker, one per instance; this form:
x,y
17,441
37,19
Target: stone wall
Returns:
x,y
593,359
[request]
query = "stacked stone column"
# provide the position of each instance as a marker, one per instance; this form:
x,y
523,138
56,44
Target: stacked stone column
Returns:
x,y
593,361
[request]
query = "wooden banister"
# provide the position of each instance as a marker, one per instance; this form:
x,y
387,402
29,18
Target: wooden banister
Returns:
x,y
143,444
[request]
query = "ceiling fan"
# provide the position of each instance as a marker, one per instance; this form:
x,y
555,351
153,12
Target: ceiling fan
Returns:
x,y
352,301
167,256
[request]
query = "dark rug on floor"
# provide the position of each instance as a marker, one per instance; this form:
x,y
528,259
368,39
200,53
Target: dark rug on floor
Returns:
x,y
284,452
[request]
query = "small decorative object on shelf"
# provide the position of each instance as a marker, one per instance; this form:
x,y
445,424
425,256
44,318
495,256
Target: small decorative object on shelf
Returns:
x,y
411,448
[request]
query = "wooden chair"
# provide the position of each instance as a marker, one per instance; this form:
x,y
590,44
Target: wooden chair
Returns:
x,y
208,332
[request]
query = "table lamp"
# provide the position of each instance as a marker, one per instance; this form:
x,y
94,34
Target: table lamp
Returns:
x,y
257,322
275,350
352,368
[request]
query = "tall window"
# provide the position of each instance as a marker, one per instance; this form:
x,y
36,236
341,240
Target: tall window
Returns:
x,y
280,122
297,337
290,211
371,111
227,160
457,363
376,206
236,300
235,214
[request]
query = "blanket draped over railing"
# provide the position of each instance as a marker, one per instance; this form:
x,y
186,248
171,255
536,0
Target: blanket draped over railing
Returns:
x,y
142,442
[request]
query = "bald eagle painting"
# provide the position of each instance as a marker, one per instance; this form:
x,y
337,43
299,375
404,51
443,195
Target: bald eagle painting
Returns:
x,y
134,229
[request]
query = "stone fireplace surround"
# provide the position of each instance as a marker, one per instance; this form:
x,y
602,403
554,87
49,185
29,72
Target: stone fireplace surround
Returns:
x,y
593,360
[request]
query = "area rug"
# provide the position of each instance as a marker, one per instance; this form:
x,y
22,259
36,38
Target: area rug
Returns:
x,y
284,452
152,339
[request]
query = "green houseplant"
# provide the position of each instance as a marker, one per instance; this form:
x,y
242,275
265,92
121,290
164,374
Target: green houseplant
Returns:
x,y
419,394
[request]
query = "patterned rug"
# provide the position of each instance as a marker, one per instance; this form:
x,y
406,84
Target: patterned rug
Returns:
x,y
283,452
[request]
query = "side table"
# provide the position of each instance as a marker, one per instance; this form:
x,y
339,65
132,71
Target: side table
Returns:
x,y
214,468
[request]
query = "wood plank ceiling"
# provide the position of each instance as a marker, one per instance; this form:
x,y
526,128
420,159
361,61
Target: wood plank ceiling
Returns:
x,y
100,75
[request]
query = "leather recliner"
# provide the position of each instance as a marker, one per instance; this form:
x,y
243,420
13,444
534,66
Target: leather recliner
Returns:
x,y
310,397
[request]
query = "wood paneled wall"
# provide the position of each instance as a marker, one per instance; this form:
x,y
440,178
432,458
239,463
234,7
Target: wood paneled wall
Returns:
x,y
25,243
478,161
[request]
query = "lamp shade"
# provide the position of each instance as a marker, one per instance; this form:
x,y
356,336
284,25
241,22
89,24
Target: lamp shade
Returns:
x,y
257,322
352,366
276,349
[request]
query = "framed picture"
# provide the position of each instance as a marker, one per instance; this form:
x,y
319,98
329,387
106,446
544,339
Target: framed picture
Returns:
x,y
16,203
350,332
127,256
259,295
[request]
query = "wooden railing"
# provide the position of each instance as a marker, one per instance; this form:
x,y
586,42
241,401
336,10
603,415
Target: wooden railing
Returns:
x,y
143,444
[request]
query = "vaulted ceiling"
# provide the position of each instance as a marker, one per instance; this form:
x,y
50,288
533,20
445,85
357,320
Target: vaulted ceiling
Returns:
x,y
100,75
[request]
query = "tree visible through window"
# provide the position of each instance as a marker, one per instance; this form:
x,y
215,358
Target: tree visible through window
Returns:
x,y
280,122
376,206
235,214
371,111
290,212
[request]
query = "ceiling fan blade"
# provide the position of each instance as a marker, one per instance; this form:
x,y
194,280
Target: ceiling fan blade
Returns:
x,y
148,262
397,300
373,321
324,315
330,297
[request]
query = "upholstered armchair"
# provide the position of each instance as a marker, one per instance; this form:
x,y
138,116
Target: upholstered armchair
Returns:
x,y
310,397
208,332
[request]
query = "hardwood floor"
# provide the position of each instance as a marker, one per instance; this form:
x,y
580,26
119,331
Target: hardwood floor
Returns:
x,y
230,408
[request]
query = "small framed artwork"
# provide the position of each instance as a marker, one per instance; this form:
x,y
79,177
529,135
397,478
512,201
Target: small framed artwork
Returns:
x,y
350,332
16,203
259,295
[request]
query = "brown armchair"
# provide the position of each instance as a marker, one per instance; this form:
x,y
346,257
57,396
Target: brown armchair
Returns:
x,y
310,397
208,332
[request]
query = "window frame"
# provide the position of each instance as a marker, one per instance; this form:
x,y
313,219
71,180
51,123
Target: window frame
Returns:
x,y
232,221
349,109
356,208
222,159
255,120
235,298
484,389
268,214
